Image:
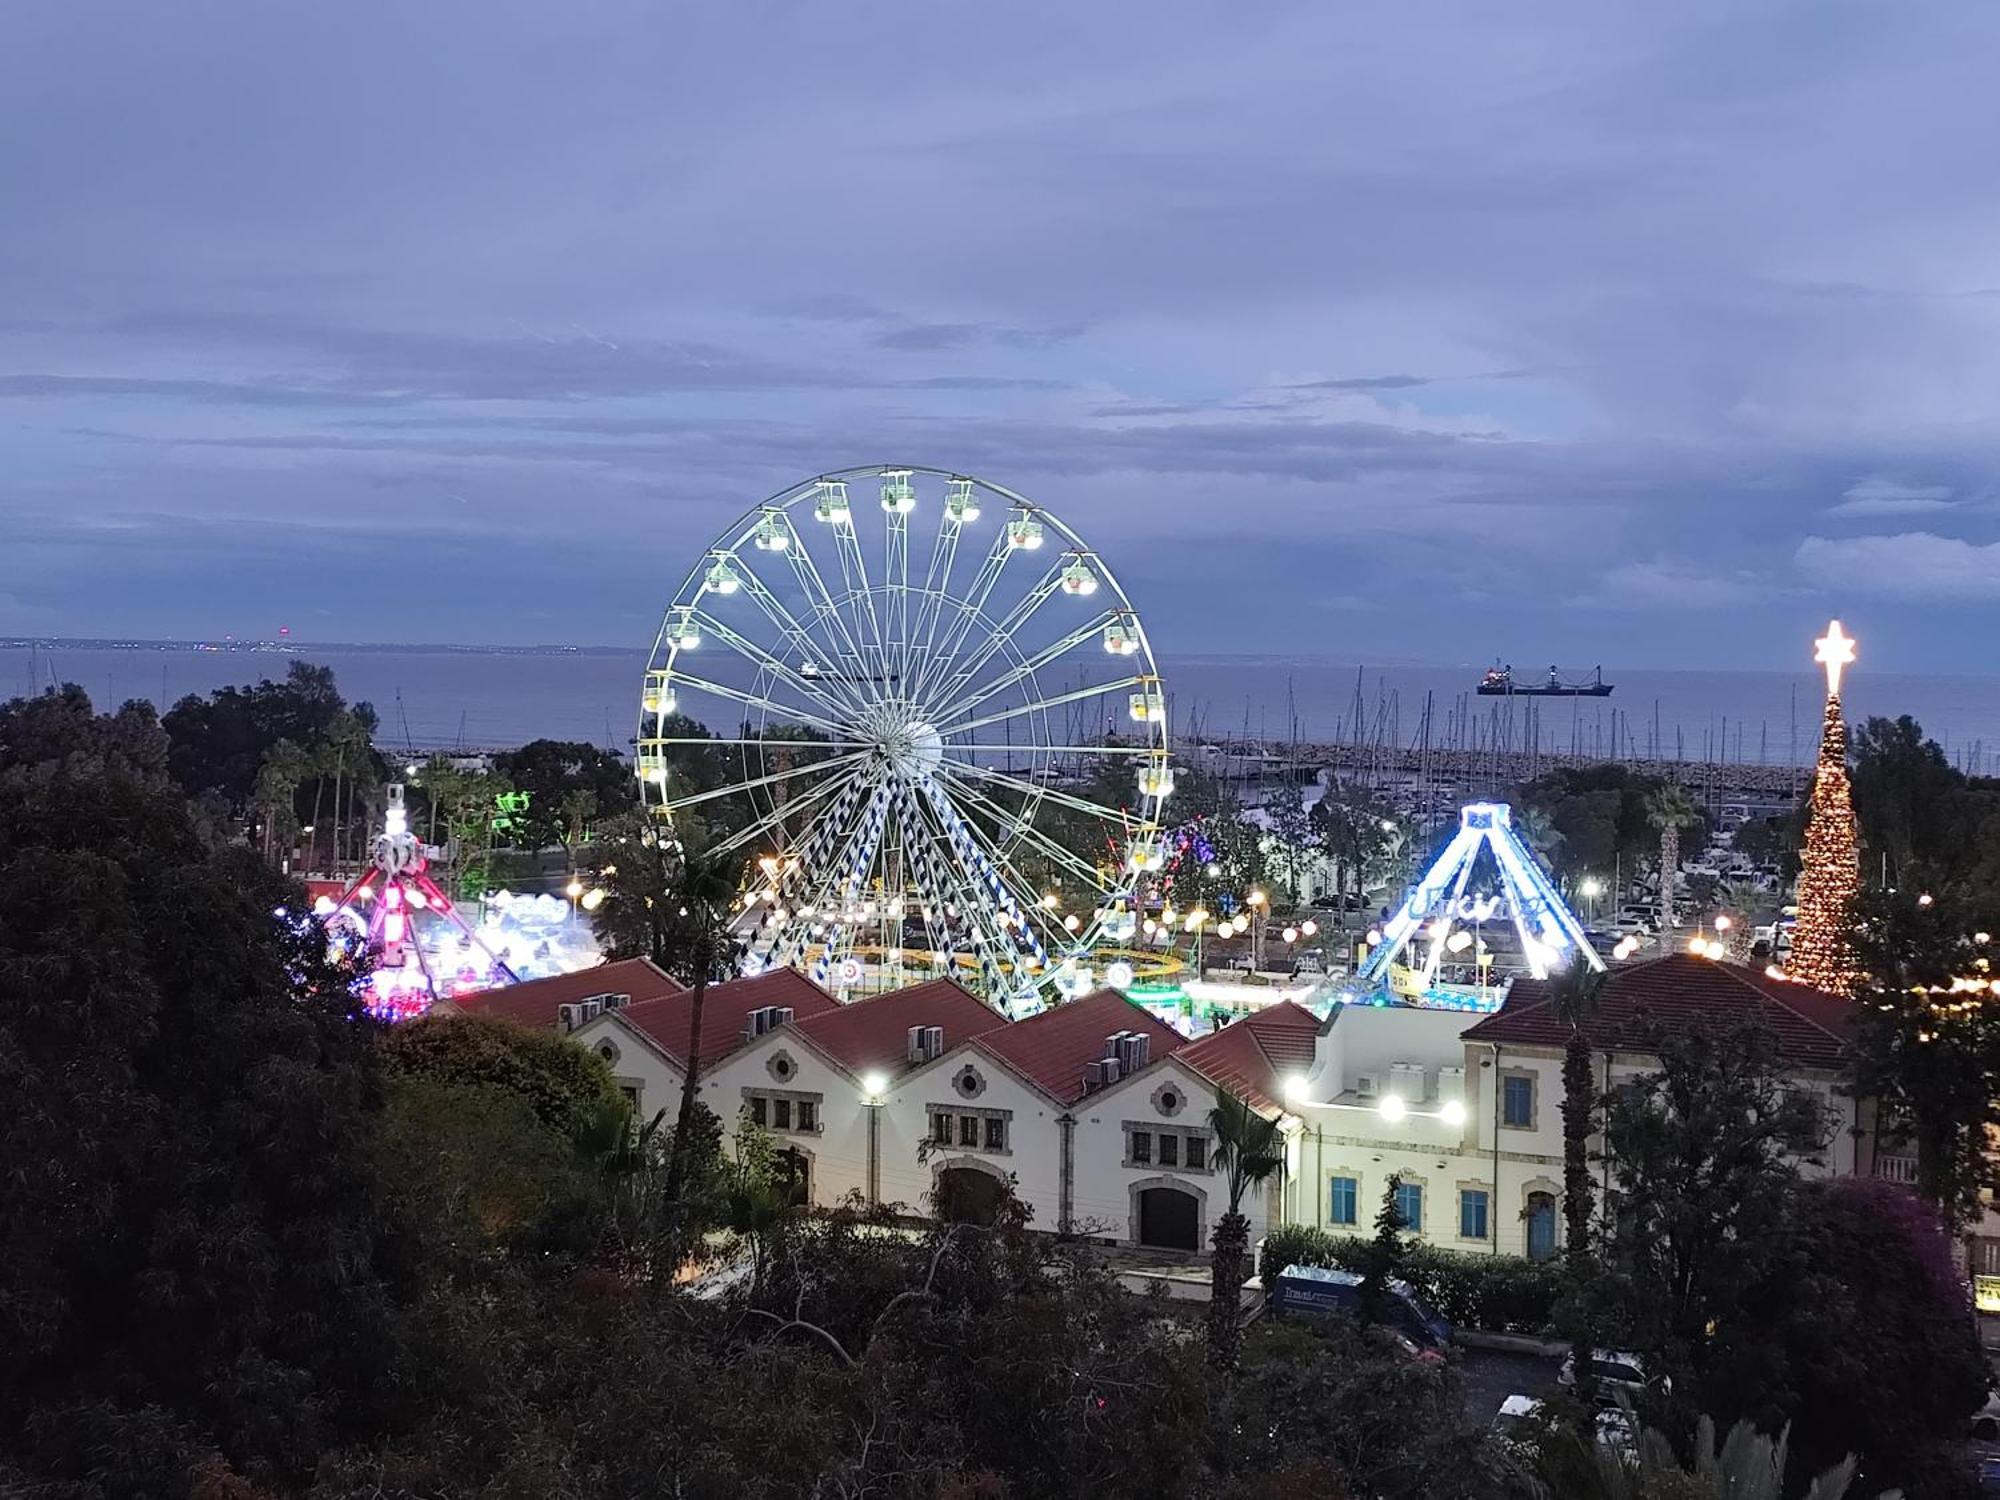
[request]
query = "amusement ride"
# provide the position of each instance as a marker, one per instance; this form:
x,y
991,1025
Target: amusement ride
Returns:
x,y
915,675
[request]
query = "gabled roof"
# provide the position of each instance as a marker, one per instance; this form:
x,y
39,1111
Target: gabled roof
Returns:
x,y
725,1008
1680,993
537,1002
1253,1057
1052,1049
874,1034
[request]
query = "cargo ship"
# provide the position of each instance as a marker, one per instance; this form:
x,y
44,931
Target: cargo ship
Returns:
x,y
1500,682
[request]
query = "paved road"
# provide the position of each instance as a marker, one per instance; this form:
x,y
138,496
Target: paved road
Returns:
x,y
1490,1377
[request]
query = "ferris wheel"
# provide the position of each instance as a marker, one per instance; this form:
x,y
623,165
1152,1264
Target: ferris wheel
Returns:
x,y
939,757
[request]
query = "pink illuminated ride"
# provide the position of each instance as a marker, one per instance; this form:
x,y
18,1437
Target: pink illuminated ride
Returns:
x,y
379,912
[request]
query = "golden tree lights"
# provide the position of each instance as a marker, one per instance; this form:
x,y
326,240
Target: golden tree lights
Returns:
x,y
1830,875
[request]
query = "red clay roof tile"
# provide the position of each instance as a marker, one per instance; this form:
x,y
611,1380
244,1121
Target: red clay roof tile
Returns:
x,y
1253,1057
1053,1048
536,1002
724,1010
1680,992
874,1033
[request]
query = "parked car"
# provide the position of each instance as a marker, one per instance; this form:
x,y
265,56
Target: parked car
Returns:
x,y
1986,1423
1617,1372
1519,1415
1319,1291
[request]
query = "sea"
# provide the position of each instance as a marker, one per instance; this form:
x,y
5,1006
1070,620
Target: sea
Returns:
x,y
432,698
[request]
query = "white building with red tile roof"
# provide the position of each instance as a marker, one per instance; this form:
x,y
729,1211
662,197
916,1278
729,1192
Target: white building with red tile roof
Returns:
x,y
1098,1112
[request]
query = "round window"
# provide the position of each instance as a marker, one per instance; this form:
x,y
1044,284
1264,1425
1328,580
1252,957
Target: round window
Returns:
x,y
1170,1101
608,1052
968,1083
782,1068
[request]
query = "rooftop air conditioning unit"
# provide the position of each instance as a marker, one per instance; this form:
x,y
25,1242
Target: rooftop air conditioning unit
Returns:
x,y
1451,1085
1134,1050
1406,1081
569,1017
781,1015
613,1002
1364,1084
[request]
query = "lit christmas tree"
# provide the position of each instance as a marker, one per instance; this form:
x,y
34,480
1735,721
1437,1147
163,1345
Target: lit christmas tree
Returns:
x,y
1823,942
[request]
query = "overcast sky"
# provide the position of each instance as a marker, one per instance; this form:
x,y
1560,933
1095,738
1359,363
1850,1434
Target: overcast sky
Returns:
x,y
1640,334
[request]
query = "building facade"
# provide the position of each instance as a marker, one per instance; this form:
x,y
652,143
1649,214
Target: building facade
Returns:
x,y
1097,1113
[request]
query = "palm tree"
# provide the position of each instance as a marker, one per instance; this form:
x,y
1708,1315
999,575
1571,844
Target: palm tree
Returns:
x,y
1669,809
690,939
1575,991
1248,1151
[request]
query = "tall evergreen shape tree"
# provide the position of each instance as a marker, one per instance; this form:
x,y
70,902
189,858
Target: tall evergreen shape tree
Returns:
x,y
1830,876
1575,993
1386,1254
1249,1150
1669,810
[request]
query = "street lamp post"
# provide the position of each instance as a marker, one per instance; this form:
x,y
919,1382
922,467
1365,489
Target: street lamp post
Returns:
x,y
874,1088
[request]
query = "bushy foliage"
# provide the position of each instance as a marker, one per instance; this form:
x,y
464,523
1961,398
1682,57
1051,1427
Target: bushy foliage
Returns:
x,y
568,1087
194,1243
1498,1293
1339,1411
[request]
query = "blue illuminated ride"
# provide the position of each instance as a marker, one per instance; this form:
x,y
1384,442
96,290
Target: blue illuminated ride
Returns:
x,y
1439,910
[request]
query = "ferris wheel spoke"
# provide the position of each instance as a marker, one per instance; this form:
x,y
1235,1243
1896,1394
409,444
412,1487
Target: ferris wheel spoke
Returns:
x,y
860,597
1118,818
806,687
1002,633
847,650
751,700
963,613
937,576
764,740
999,928
1025,668
1060,751
897,501
774,818
677,804
798,637
1025,830
1078,696
1025,907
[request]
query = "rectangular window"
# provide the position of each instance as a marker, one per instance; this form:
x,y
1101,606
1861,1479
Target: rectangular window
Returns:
x,y
941,1129
1170,1150
781,1114
631,1093
1197,1153
1472,1213
1346,1195
1517,1102
968,1130
996,1135
1142,1146
758,1115
808,1115
1410,1204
